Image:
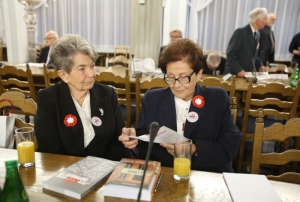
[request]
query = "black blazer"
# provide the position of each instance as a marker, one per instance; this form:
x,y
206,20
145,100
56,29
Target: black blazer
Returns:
x,y
241,50
219,69
44,54
265,47
53,136
216,136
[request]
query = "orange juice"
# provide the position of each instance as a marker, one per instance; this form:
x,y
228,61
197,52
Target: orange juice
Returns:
x,y
25,152
182,167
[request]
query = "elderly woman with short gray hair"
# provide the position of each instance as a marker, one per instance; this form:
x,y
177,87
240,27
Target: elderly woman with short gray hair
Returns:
x,y
77,116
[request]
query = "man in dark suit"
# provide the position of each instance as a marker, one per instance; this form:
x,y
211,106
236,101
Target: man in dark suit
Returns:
x,y
243,45
214,64
267,41
175,34
50,38
294,48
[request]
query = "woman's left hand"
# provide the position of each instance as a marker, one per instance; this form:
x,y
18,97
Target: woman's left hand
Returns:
x,y
169,147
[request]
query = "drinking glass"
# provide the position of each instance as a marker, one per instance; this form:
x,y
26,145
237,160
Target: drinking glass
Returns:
x,y
25,146
182,158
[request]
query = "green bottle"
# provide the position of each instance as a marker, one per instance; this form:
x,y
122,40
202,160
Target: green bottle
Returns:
x,y
13,189
294,78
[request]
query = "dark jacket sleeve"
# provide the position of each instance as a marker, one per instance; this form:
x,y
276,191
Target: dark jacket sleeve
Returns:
x,y
233,48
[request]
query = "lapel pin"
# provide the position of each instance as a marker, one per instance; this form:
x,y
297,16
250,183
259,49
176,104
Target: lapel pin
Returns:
x,y
198,101
70,120
101,111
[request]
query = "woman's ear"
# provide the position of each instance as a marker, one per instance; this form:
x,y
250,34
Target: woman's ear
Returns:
x,y
63,75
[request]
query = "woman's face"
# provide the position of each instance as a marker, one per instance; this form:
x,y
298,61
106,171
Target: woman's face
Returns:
x,y
82,74
181,69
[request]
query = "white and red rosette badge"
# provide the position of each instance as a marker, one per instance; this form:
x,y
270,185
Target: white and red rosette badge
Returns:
x,y
70,120
198,101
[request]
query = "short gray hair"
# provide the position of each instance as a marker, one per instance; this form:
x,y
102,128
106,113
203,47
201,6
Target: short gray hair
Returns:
x,y
66,47
176,30
257,13
213,59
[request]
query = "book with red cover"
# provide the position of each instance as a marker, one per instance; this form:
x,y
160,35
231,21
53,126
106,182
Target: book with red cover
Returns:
x,y
81,177
125,180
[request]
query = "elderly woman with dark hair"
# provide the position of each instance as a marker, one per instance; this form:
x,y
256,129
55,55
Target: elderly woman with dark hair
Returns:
x,y
77,116
197,112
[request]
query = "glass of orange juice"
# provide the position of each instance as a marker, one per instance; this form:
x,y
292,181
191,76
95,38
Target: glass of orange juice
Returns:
x,y
25,146
182,158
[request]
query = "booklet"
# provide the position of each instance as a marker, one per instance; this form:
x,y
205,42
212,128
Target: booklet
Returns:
x,y
258,75
81,177
164,135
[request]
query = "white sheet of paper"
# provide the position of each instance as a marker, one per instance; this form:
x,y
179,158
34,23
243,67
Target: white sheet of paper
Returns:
x,y
279,76
30,65
164,135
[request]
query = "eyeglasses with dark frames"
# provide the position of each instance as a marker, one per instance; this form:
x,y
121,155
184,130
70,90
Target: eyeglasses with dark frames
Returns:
x,y
182,79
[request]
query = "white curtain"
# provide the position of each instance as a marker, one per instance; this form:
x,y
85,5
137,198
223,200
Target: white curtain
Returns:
x,y
218,21
196,6
105,23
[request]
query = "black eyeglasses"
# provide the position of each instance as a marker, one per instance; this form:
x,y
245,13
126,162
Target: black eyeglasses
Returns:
x,y
182,79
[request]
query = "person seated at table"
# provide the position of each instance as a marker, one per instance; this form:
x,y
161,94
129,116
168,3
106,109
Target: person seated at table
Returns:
x,y
214,64
77,116
197,112
50,38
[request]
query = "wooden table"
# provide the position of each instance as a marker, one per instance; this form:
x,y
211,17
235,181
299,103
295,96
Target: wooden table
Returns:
x,y
202,186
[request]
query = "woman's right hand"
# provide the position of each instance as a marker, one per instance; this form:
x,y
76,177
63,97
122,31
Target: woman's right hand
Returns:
x,y
129,143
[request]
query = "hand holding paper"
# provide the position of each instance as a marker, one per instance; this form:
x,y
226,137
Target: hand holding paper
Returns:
x,y
164,135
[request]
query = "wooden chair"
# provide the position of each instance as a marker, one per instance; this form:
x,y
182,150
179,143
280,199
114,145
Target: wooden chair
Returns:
x,y
18,99
278,101
142,87
50,76
1,53
122,88
39,47
13,79
233,106
121,55
213,81
277,132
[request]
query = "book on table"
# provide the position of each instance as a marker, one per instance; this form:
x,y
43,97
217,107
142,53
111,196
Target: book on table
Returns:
x,y
125,180
81,177
258,75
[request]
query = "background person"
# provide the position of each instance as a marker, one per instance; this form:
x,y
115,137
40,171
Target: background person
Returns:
x,y
209,124
50,38
243,44
78,117
267,41
295,49
214,64
175,34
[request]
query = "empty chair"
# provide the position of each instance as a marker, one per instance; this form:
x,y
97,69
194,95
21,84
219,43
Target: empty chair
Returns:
x,y
276,132
213,81
121,55
14,79
279,103
142,86
50,76
122,88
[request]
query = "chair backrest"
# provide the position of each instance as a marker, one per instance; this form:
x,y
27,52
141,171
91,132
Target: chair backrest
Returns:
x,y
233,105
18,99
50,76
13,79
142,86
39,47
122,88
121,55
277,100
213,81
275,132
27,106
1,53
